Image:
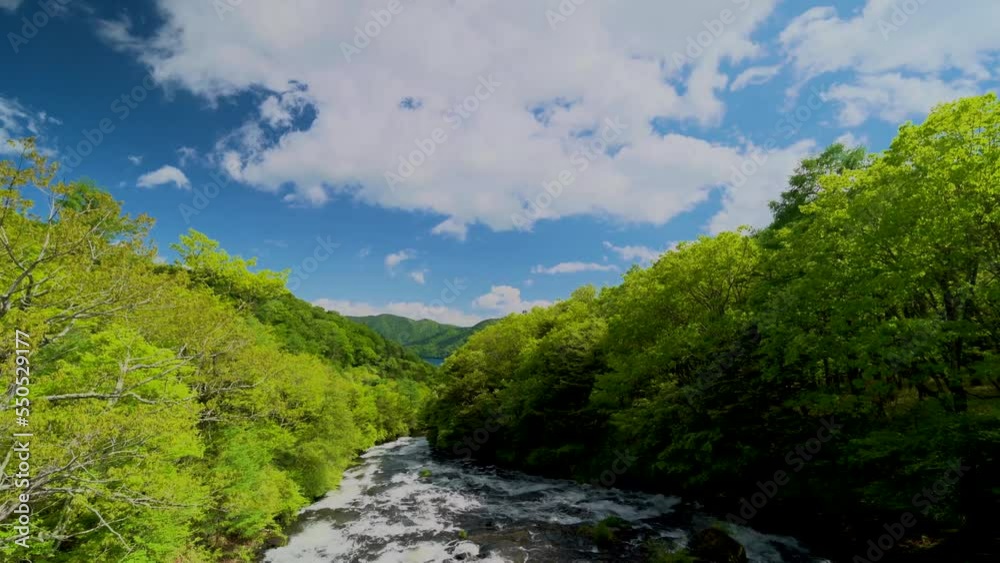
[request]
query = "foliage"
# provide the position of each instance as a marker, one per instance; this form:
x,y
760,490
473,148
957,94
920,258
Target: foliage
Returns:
x,y
182,412
308,328
427,338
873,300
804,184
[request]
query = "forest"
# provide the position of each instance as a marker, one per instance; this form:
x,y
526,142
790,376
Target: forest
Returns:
x,y
428,338
842,364
179,412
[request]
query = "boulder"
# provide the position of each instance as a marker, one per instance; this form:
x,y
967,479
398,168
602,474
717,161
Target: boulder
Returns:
x,y
712,545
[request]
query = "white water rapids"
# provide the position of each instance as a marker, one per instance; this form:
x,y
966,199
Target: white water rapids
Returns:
x,y
385,511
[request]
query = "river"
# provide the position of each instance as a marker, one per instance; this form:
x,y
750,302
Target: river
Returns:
x,y
388,509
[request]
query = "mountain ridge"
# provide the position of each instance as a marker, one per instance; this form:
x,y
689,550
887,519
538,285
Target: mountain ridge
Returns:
x,y
426,337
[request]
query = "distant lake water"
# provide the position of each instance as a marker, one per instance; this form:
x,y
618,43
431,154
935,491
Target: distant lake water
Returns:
x,y
434,361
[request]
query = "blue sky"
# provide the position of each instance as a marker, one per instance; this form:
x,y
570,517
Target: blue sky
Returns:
x,y
305,110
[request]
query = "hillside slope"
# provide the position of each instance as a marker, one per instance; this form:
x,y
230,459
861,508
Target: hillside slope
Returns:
x,y
341,340
427,338
190,409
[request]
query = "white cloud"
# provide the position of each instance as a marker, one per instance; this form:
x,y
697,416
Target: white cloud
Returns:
x,y
419,276
18,121
754,76
505,299
893,97
280,110
877,39
408,309
135,159
10,5
186,155
574,268
364,252
164,175
633,253
451,227
397,258
744,202
851,140
899,52
610,58
46,118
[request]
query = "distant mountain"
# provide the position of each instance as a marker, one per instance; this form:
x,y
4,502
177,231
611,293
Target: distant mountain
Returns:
x,y
427,338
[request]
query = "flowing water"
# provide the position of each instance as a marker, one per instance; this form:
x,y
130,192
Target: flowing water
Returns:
x,y
387,510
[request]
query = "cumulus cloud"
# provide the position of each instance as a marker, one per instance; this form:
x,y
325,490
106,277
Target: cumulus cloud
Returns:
x,y
397,258
574,268
893,97
281,109
878,38
419,276
164,175
409,309
505,299
373,111
609,60
135,159
899,52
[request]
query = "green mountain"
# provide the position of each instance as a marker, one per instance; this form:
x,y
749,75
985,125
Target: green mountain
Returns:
x,y
427,338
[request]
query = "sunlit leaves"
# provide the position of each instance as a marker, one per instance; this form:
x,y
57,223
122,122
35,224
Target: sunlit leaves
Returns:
x,y
177,426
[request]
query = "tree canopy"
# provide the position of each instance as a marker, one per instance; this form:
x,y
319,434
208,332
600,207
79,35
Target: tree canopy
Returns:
x,y
180,412
873,299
